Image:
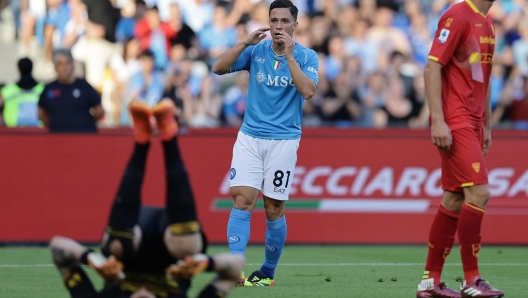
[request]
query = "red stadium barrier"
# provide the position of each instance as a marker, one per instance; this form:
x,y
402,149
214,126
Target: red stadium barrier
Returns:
x,y
350,186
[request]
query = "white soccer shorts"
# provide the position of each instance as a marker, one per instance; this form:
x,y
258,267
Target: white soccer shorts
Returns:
x,y
267,165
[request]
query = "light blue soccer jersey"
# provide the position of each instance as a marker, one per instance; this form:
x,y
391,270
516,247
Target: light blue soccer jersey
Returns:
x,y
274,106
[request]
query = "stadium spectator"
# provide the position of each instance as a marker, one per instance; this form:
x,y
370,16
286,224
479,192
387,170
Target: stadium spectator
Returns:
x,y
176,91
69,104
497,81
75,36
196,13
345,18
126,24
514,102
371,97
184,36
420,118
391,39
520,47
420,37
15,8
302,34
358,44
203,108
55,25
336,57
145,85
402,19
100,32
234,102
259,18
319,29
341,103
19,100
155,36
367,10
32,17
217,37
397,108
122,66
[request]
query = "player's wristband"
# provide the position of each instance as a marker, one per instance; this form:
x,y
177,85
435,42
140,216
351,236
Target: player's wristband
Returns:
x,y
210,265
84,256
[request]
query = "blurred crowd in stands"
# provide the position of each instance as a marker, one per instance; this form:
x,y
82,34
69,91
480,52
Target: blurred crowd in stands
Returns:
x,y
371,56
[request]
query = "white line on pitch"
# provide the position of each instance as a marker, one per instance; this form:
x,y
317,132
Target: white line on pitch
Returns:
x,y
386,264
309,264
27,265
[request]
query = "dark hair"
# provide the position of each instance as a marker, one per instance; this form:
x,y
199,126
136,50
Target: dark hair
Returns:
x,y
62,52
25,66
285,4
147,53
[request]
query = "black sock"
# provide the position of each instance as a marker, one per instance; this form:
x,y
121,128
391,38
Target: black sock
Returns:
x,y
127,203
78,283
212,292
211,265
180,199
84,256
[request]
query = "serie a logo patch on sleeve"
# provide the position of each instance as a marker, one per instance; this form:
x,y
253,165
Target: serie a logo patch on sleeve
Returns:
x,y
443,35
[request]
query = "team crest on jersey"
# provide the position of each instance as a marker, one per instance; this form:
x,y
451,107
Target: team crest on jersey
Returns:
x,y
232,173
443,35
476,166
260,76
448,22
276,64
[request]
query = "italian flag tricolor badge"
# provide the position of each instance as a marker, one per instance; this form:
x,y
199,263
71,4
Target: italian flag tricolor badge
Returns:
x,y
276,64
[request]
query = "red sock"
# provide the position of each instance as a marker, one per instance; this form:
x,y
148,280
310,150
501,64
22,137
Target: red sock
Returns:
x,y
441,239
469,236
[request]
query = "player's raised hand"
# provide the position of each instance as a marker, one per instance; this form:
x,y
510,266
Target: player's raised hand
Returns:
x,y
487,141
285,38
255,36
441,135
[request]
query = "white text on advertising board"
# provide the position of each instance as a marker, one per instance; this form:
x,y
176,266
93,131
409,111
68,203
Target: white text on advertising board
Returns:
x,y
412,181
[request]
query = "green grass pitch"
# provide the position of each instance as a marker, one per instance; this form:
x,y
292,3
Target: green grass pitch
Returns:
x,y
304,271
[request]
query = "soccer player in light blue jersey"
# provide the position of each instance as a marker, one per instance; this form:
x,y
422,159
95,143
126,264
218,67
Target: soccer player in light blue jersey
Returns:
x,y
282,75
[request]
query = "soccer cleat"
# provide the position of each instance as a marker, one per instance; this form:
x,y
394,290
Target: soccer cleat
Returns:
x,y
189,267
164,113
241,280
480,289
141,115
108,269
427,289
257,279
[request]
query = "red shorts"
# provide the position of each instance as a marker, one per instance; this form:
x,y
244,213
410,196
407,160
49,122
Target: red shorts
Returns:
x,y
464,165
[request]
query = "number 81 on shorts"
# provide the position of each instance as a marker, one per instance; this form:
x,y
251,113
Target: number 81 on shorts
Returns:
x,y
278,181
